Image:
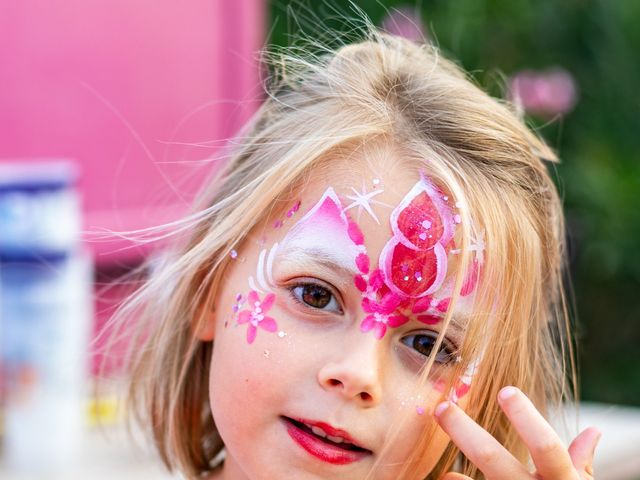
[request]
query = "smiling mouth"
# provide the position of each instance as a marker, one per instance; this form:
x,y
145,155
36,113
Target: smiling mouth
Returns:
x,y
332,449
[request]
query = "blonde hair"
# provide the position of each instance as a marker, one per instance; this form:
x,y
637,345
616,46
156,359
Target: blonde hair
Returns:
x,y
473,146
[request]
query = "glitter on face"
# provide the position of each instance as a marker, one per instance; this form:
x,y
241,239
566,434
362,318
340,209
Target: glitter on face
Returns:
x,y
233,254
420,410
282,334
376,181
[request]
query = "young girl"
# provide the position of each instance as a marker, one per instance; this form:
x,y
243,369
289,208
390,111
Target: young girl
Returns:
x,y
371,288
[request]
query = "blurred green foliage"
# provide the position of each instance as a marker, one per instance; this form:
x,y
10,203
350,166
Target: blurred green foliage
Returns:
x,y
598,42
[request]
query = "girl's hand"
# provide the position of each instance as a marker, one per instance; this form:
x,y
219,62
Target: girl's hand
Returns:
x,y
552,460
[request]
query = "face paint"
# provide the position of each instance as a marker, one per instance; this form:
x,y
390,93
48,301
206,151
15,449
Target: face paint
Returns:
x,y
414,261
290,213
255,317
363,200
462,386
326,221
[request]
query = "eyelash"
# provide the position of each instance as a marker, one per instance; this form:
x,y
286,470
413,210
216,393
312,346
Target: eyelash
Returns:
x,y
444,356
297,293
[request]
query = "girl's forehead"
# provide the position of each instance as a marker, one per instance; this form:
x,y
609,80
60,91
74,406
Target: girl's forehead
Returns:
x,y
397,222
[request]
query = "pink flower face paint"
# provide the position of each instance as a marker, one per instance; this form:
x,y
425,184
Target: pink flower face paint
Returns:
x,y
256,315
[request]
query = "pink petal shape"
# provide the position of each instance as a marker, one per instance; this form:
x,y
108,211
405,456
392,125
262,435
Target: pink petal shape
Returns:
x,y
268,324
376,280
368,323
379,329
267,303
369,306
421,305
397,320
443,305
253,298
362,262
389,303
429,319
360,283
251,333
355,234
462,389
244,316
471,281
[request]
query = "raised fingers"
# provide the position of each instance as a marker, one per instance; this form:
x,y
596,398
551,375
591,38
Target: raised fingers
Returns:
x,y
550,456
582,449
478,445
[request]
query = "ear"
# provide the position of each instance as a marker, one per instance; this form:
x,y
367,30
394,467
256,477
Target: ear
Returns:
x,y
204,323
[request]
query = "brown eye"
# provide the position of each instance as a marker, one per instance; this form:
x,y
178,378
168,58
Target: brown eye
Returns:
x,y
316,296
424,344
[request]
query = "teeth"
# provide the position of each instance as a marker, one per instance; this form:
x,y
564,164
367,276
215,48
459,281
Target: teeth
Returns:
x,y
318,431
321,433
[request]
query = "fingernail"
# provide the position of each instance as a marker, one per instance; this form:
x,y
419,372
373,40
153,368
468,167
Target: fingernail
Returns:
x,y
507,392
596,442
441,408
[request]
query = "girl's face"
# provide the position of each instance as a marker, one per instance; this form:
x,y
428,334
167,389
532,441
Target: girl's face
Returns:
x,y
324,320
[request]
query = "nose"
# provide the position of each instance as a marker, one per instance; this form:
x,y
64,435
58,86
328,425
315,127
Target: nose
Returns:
x,y
354,370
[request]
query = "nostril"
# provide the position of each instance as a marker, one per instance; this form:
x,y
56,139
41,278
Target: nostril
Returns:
x,y
365,396
334,383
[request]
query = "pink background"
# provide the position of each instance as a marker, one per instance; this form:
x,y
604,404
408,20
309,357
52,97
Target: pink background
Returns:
x,y
111,83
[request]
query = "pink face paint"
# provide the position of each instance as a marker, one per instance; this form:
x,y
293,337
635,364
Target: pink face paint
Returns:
x,y
462,386
255,317
326,221
414,260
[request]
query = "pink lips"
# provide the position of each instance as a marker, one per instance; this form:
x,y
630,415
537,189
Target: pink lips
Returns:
x,y
335,453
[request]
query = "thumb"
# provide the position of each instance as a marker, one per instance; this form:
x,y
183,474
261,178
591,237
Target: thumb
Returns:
x,y
582,450
455,476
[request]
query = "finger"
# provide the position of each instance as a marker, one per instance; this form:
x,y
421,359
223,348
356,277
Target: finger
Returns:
x,y
582,449
547,451
478,445
455,476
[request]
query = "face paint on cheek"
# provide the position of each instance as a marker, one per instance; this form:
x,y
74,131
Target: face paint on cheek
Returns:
x,y
462,386
255,317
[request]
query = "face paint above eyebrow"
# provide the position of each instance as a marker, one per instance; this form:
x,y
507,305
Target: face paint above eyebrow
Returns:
x,y
414,261
325,229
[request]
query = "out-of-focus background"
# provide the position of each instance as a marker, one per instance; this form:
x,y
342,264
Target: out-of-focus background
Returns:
x,y
110,114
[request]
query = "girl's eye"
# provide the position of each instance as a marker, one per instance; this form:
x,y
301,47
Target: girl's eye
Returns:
x,y
316,296
423,344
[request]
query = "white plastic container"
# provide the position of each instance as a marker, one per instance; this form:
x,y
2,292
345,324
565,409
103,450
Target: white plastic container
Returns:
x,y
45,316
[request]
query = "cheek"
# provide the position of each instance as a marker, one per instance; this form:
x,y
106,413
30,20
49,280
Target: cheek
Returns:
x,y
414,418
245,377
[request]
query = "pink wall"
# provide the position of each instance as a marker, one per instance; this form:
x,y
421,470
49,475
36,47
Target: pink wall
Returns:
x,y
111,82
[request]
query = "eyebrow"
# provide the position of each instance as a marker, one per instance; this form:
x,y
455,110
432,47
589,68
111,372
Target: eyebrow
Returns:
x,y
318,256
307,258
